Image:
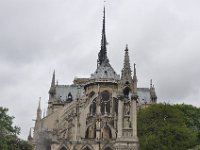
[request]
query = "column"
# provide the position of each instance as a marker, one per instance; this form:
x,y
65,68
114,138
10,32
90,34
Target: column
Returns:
x,y
120,118
134,117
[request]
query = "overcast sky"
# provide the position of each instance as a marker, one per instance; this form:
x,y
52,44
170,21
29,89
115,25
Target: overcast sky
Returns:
x,y
38,36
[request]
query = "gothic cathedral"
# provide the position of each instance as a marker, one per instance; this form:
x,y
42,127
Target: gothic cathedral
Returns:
x,y
95,113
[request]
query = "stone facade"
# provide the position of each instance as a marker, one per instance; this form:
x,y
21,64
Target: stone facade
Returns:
x,y
96,113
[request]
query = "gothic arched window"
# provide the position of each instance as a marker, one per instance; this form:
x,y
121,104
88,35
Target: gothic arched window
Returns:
x,y
105,102
87,148
93,107
108,148
115,105
91,132
63,148
126,92
106,133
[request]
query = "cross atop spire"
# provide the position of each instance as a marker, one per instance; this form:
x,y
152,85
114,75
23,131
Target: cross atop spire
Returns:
x,y
102,56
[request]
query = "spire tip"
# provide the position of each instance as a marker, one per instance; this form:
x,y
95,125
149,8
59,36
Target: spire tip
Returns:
x,y
102,56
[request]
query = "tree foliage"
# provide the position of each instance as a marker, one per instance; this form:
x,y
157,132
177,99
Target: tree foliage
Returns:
x,y
8,133
6,121
191,117
168,127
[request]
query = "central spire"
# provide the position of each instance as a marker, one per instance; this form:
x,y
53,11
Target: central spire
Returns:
x,y
102,56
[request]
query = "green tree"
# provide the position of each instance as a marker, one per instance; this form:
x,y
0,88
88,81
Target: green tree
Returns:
x,y
6,122
8,133
163,127
191,117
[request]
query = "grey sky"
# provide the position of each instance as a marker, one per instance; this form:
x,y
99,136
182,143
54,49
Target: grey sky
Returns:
x,y
38,36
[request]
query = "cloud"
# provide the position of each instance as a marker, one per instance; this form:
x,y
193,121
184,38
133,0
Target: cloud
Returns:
x,y
39,36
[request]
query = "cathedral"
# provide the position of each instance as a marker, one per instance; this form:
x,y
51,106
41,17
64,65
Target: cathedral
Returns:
x,y
94,113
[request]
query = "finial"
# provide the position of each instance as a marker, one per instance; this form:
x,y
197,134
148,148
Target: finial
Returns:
x,y
39,105
153,93
39,111
29,136
53,79
134,69
30,132
53,84
104,2
44,113
104,22
104,10
126,48
135,76
39,102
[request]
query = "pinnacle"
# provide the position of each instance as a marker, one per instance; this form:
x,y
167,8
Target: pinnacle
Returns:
x,y
126,71
126,48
